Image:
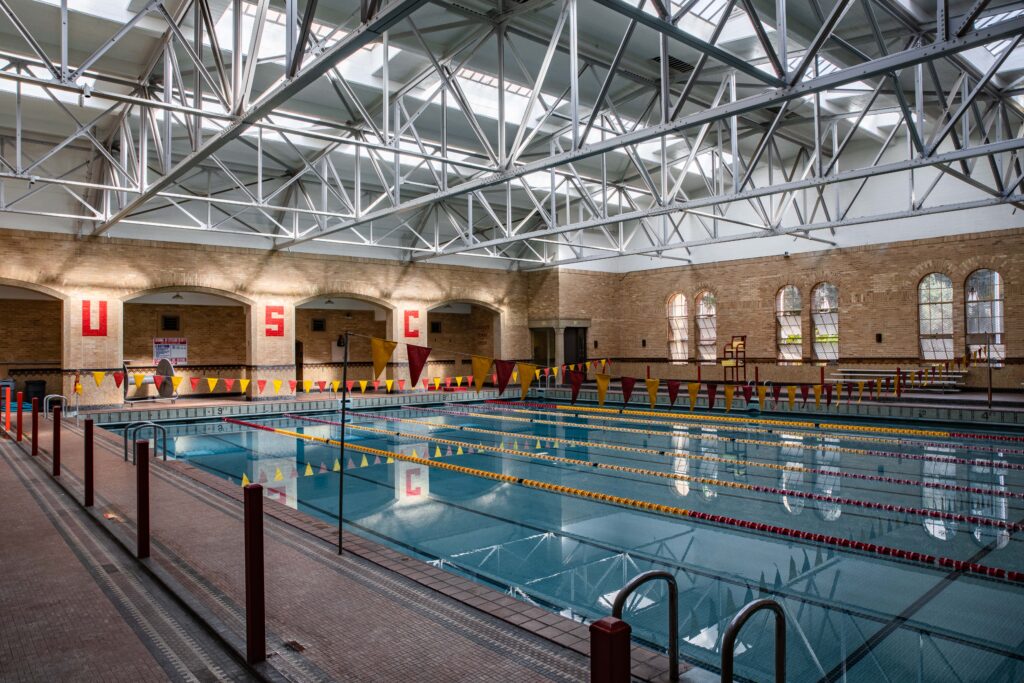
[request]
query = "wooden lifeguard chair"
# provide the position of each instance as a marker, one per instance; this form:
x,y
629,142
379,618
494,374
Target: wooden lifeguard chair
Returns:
x,y
734,357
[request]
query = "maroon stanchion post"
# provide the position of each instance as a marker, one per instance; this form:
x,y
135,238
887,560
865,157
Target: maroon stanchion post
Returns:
x,y
56,441
20,430
35,426
88,464
142,497
609,651
255,607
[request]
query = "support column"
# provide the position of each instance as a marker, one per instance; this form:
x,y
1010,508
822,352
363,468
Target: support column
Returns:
x,y
559,346
271,346
93,329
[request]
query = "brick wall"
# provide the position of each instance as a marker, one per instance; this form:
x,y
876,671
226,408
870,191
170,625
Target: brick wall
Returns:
x,y
30,338
216,334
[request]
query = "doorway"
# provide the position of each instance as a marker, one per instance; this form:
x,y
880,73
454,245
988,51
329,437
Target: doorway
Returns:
x,y
575,345
298,365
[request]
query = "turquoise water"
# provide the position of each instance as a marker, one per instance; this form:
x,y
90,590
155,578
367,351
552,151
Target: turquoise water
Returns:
x,y
853,616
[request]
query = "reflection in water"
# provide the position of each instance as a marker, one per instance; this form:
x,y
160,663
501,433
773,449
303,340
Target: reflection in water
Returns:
x,y
992,506
827,483
939,499
792,455
681,465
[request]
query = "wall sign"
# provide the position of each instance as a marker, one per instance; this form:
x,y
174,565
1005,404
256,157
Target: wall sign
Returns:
x,y
409,317
89,328
274,320
173,349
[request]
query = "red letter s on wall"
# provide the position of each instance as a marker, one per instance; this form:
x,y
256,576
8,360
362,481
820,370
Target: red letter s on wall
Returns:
x,y
275,321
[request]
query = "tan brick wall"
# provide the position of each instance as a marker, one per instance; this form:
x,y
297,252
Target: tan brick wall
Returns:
x,y
216,334
30,338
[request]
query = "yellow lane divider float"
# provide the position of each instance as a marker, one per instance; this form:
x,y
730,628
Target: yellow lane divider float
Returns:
x,y
647,506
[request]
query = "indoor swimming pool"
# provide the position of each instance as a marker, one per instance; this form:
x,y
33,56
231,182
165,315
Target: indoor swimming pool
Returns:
x,y
895,551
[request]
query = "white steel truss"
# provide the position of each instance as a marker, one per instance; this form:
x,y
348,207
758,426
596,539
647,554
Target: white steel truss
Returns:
x,y
535,133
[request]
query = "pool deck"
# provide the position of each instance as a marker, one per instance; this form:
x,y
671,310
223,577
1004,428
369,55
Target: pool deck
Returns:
x,y
369,615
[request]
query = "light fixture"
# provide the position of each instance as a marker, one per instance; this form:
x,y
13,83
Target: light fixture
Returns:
x,y
177,297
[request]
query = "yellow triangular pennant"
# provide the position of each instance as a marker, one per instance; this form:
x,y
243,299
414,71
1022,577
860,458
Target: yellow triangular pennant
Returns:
x,y
309,470
362,386
243,384
693,388
437,453
277,386
381,350
459,452
337,465
390,460
481,366
526,373
98,377
363,462
176,382
138,377
307,385
277,474
602,387
211,382
652,390
458,380
389,383
730,391
334,385
437,383
245,480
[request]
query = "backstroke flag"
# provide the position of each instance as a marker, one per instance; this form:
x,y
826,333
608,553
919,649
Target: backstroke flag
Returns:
x,y
693,388
381,350
527,372
673,390
504,372
652,390
481,367
602,387
627,388
575,381
417,359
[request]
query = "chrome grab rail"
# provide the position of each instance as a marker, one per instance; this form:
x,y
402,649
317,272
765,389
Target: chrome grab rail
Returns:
x,y
673,612
741,618
46,404
132,430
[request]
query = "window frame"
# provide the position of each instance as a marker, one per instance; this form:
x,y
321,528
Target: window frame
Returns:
x,y
991,350
794,345
678,329
707,345
931,309
825,351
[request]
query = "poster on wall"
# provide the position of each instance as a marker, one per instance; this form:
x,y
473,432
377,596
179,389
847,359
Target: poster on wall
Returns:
x,y
174,349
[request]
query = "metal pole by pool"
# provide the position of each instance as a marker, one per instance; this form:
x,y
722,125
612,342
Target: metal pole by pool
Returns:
x,y
55,454
35,425
341,458
89,481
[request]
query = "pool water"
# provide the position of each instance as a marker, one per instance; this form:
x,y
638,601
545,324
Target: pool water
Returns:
x,y
853,614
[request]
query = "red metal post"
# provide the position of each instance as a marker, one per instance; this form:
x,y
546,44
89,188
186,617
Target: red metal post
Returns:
x,y
88,464
698,372
609,651
56,440
255,607
142,497
822,374
898,388
35,426
20,416
757,376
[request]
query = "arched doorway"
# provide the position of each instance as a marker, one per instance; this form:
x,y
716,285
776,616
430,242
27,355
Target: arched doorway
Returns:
x,y
31,341
204,333
458,329
320,326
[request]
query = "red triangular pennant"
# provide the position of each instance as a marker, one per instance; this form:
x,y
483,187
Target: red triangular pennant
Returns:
x,y
194,381
748,392
575,381
504,373
261,384
118,379
627,388
673,390
804,391
417,359
401,384
322,384
712,390
291,384
828,395
158,380
776,393
228,383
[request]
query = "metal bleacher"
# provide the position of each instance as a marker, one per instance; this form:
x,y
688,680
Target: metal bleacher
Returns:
x,y
930,379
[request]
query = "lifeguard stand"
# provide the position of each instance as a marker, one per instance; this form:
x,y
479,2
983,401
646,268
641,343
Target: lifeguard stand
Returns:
x,y
734,357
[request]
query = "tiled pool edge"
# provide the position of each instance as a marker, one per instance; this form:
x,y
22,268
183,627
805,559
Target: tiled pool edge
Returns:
x,y
648,665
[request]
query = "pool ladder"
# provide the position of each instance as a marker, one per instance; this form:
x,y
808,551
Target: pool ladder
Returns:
x,y
731,631
132,430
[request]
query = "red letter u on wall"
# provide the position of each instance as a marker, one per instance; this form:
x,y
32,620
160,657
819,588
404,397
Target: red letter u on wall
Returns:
x,y
100,328
275,321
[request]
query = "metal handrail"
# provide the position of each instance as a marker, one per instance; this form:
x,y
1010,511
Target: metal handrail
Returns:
x,y
673,612
132,430
46,403
741,618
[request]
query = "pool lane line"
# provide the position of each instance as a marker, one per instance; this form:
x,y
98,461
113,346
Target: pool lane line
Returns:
x,y
729,439
820,497
731,462
669,510
681,422
805,424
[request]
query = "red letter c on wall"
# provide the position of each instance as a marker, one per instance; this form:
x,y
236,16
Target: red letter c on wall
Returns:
x,y
409,332
275,321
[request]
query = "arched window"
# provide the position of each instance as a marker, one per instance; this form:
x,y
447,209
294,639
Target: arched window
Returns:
x,y
787,315
935,316
678,330
825,320
707,326
984,295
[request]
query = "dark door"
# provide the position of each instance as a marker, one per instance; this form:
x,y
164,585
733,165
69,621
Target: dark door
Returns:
x,y
575,344
298,365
